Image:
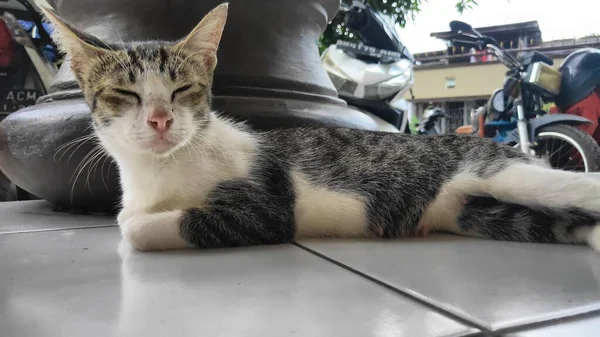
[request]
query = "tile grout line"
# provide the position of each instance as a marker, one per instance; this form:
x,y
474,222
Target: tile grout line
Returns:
x,y
55,229
388,286
549,323
451,315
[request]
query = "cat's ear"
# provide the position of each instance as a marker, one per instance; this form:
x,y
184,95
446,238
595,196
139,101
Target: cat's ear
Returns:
x,y
78,45
204,39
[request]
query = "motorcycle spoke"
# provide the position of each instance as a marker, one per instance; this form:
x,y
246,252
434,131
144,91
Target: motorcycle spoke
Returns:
x,y
561,156
559,150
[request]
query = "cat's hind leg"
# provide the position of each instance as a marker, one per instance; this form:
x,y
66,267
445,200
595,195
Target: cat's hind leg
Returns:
x,y
571,199
488,217
520,202
538,186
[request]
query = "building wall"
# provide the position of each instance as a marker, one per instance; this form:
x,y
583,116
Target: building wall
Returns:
x,y
459,113
472,81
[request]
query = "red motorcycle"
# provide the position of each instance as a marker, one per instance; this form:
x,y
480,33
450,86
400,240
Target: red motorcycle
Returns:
x,y
580,89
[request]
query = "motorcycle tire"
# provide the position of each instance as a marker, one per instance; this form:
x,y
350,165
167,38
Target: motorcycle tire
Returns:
x,y
583,142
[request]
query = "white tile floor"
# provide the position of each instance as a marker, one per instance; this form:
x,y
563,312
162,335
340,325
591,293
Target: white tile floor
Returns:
x,y
67,275
585,327
496,285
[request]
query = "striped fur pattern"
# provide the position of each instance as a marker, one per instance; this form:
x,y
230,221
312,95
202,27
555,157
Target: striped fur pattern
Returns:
x,y
209,183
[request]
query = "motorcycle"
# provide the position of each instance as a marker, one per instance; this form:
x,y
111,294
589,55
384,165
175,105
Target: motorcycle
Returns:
x,y
373,75
580,88
514,115
26,73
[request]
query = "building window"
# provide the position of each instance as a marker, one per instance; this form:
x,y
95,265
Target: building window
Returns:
x,y
454,110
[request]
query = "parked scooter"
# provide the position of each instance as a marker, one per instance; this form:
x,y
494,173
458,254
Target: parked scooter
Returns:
x,y
429,124
372,76
25,74
514,114
25,71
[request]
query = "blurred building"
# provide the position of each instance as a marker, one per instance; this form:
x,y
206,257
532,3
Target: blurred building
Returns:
x,y
460,79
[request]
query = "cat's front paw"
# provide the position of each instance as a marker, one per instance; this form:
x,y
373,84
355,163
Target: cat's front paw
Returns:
x,y
124,215
154,231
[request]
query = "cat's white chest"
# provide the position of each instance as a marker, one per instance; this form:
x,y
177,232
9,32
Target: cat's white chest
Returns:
x,y
184,184
186,178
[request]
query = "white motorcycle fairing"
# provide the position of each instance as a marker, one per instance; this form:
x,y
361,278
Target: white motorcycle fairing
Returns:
x,y
358,79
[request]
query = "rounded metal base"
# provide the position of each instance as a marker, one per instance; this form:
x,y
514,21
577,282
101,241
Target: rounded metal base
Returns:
x,y
269,74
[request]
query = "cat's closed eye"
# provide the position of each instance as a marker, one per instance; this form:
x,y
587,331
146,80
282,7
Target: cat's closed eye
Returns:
x,y
180,90
129,94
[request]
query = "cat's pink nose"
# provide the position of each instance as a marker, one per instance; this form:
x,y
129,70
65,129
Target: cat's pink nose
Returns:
x,y
160,121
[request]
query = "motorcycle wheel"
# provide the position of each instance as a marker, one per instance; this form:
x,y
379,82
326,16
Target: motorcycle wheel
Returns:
x,y
567,148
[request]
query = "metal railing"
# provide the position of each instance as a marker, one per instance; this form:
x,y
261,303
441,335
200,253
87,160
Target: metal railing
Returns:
x,y
555,47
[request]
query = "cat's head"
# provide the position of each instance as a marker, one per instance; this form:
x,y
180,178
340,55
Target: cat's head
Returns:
x,y
147,97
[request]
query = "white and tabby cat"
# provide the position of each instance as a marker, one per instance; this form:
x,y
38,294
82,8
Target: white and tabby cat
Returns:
x,y
193,179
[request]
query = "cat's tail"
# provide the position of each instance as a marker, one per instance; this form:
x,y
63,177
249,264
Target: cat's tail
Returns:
x,y
488,217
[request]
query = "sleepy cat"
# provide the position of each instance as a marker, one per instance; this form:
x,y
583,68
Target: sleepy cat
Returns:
x,y
191,178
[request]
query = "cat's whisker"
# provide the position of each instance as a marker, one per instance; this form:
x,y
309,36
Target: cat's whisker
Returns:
x,y
78,139
95,161
110,160
80,167
69,145
104,158
65,148
89,170
74,151
83,163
